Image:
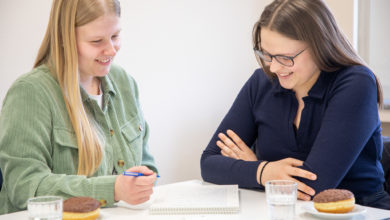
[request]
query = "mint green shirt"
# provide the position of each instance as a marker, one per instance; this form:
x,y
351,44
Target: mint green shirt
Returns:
x,y
38,150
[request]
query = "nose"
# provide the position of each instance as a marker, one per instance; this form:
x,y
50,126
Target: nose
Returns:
x,y
111,49
274,66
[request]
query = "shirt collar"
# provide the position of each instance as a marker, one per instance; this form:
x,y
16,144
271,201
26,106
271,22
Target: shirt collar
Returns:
x,y
107,88
319,88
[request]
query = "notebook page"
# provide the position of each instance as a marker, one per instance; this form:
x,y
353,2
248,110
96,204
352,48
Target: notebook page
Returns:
x,y
196,199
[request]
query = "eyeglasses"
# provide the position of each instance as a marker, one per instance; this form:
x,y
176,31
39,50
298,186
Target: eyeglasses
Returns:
x,y
282,59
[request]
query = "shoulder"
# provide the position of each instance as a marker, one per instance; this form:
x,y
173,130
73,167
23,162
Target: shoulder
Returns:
x,y
357,72
355,85
260,83
259,79
34,83
32,94
39,76
120,78
355,77
259,76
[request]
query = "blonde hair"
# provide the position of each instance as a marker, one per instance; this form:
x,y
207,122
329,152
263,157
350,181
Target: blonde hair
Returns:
x,y
310,21
59,52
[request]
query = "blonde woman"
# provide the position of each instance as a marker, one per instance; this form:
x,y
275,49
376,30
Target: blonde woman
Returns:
x,y
310,112
73,124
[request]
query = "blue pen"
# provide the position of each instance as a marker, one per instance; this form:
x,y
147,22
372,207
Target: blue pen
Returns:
x,y
135,174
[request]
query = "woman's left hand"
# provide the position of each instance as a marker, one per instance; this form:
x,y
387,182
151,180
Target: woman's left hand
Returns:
x,y
234,147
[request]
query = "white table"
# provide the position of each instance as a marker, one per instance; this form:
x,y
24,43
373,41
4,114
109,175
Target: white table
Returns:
x,y
253,206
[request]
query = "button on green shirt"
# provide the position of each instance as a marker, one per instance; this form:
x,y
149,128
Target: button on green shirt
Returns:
x,y
38,150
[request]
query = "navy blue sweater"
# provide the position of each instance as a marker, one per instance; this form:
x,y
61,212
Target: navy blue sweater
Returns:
x,y
339,136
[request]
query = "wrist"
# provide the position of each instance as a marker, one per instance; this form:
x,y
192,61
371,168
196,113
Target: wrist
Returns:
x,y
116,190
260,171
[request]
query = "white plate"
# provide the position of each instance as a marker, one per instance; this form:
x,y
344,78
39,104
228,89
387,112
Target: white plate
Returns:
x,y
356,211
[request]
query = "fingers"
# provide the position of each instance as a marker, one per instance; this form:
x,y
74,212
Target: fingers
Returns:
x,y
295,171
285,170
229,143
139,201
234,147
135,190
294,162
141,169
303,196
230,147
140,197
304,189
146,180
236,139
224,154
227,151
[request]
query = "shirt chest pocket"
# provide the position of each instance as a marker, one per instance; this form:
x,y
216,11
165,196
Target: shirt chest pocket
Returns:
x,y
65,152
132,132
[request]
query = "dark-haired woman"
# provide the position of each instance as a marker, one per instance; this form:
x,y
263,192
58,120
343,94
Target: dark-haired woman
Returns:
x,y
310,114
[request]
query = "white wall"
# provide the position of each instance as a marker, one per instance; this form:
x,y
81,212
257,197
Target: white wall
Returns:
x,y
379,46
373,42
189,57
344,14
22,26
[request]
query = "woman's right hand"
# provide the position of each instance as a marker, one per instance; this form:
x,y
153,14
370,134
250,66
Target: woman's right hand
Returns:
x,y
135,190
287,169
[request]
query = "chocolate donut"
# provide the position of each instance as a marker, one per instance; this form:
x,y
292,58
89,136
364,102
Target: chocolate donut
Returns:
x,y
81,208
334,201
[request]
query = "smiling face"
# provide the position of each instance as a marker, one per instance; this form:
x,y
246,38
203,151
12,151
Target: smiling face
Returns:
x,y
300,77
97,44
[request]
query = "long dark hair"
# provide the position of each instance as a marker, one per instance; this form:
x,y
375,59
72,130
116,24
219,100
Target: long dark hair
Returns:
x,y
312,22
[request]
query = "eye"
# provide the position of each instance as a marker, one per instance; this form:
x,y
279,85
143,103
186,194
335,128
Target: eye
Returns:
x,y
285,58
96,41
115,37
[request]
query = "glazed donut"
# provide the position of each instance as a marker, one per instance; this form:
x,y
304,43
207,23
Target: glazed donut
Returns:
x,y
334,201
81,208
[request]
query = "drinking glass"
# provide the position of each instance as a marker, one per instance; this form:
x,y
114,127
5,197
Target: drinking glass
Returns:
x,y
45,208
281,198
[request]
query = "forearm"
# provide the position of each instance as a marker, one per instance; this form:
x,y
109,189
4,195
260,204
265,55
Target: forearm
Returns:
x,y
223,170
101,188
40,184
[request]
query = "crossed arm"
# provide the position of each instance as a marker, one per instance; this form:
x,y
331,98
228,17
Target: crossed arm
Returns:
x,y
232,146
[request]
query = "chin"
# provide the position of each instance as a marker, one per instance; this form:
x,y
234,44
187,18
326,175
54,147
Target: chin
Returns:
x,y
102,73
286,86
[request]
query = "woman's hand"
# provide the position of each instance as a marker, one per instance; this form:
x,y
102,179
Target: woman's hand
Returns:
x,y
135,190
234,147
287,169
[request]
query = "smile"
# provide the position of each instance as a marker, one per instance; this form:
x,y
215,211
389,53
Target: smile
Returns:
x,y
284,74
104,60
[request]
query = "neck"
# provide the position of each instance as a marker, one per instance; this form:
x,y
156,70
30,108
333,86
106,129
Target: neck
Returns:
x,y
304,89
91,85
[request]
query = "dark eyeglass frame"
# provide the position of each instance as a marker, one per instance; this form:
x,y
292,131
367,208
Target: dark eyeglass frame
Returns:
x,y
261,54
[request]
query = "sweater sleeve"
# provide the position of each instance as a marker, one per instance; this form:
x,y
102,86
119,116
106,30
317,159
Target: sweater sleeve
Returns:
x,y
219,169
350,119
26,153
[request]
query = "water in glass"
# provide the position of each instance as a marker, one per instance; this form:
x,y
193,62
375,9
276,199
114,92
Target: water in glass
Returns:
x,y
281,207
45,208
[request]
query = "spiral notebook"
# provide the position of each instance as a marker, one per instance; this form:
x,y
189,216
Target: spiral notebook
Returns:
x,y
193,197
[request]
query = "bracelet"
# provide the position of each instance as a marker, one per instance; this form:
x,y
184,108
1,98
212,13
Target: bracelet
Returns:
x,y
261,172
